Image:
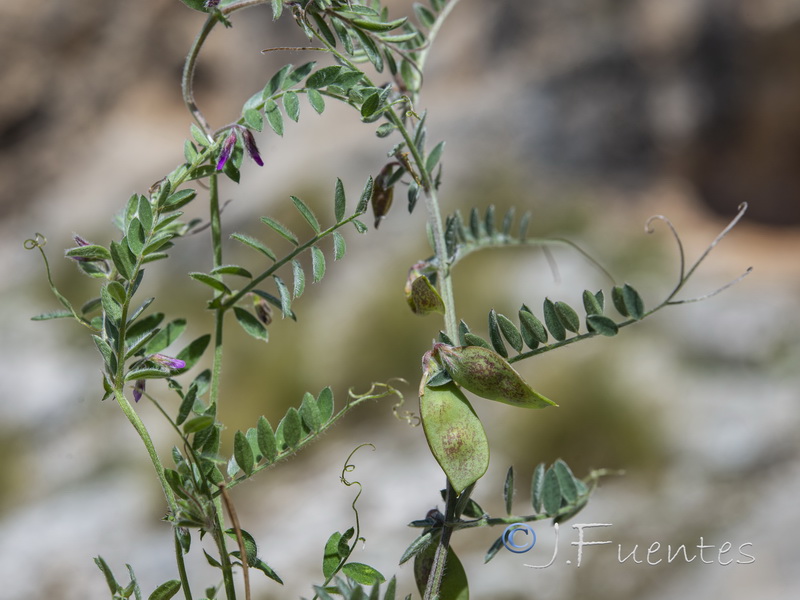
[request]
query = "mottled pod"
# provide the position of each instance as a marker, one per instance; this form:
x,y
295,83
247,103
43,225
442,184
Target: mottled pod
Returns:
x,y
488,375
455,434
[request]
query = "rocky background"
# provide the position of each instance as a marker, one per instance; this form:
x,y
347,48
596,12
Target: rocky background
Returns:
x,y
594,115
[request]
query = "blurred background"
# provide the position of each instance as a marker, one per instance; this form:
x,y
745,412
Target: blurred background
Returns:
x,y
592,115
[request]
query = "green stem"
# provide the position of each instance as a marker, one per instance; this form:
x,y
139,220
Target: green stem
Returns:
x,y
140,428
216,222
434,31
190,65
219,314
225,562
187,592
445,280
440,557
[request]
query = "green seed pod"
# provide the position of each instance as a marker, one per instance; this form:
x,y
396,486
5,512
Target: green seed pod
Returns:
x,y
455,434
488,375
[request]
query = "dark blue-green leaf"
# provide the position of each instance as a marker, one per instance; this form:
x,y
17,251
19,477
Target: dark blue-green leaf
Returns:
x,y
602,324
551,492
566,481
494,335
325,404
633,302
508,490
291,428
266,439
568,317
554,324
243,453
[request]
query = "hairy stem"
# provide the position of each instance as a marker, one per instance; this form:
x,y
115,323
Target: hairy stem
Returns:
x,y
190,65
187,592
140,428
440,558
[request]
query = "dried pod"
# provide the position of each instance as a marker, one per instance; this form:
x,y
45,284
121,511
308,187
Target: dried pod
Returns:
x,y
488,375
382,194
455,434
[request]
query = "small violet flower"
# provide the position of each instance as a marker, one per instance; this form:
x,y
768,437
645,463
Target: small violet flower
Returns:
x,y
250,146
227,150
138,389
230,143
79,241
174,364
212,3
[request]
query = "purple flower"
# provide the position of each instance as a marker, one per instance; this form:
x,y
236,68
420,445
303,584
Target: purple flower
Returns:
x,y
80,243
227,149
250,146
138,389
212,3
174,364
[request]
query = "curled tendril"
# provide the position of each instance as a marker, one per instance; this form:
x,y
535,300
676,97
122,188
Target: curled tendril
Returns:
x,y
649,229
347,468
684,274
372,393
37,241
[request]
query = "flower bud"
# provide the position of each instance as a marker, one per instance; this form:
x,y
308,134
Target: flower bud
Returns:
x,y
250,146
227,150
488,375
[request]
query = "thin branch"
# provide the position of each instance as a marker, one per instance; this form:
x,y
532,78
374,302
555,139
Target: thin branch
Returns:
x,y
239,538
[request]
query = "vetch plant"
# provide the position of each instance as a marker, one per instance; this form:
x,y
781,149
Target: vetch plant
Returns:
x,y
377,70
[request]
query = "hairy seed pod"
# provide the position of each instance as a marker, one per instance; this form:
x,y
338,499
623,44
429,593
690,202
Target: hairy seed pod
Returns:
x,y
488,375
455,434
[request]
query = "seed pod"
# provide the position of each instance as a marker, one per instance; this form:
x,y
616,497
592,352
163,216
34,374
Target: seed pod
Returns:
x,y
488,375
423,297
382,194
455,434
